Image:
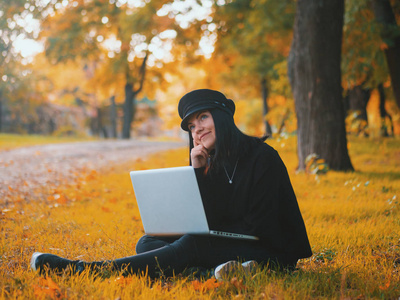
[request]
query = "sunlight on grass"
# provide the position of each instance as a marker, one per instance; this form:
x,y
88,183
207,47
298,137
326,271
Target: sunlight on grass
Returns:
x,y
11,141
352,221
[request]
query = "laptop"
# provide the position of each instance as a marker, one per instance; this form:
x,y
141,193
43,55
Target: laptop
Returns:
x,y
170,203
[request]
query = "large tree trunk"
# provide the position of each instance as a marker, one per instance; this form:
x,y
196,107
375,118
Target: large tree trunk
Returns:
x,y
316,79
390,35
128,111
358,98
264,93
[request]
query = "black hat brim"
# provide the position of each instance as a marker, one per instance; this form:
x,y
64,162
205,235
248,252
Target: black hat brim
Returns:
x,y
198,108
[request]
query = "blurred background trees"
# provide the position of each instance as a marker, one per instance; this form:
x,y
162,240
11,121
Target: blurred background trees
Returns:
x,y
117,68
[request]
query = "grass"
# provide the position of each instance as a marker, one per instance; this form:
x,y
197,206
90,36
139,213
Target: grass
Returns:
x,y
353,222
10,141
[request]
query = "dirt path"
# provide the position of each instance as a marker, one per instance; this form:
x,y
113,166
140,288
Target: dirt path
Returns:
x,y
26,169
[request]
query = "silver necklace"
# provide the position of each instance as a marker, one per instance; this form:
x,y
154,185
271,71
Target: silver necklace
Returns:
x,y
233,174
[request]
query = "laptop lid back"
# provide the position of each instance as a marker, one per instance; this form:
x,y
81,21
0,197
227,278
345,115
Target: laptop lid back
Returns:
x,y
169,201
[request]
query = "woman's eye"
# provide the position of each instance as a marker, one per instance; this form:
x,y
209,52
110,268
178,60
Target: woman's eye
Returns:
x,y
203,117
191,127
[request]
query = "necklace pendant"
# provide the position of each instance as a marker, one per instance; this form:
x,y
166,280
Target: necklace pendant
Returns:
x,y
233,174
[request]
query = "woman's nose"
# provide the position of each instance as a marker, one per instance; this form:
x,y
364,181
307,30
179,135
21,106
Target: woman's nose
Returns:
x,y
198,128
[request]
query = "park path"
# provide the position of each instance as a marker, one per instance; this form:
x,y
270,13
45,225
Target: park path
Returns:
x,y
25,169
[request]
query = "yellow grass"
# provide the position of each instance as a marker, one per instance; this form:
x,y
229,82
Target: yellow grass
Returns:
x,y
353,222
10,141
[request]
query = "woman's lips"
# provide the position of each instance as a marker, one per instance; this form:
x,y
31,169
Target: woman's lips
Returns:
x,y
204,135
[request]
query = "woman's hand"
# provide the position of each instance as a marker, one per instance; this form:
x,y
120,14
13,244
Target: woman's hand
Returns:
x,y
199,155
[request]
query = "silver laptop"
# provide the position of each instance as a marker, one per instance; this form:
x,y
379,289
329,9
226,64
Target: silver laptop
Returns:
x,y
170,203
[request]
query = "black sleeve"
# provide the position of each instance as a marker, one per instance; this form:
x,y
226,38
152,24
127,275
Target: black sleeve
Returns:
x,y
274,214
262,218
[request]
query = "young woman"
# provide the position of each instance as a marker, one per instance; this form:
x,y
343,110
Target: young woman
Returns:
x,y
245,189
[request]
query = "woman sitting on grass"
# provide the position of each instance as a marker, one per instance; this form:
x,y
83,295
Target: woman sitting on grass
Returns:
x,y
245,189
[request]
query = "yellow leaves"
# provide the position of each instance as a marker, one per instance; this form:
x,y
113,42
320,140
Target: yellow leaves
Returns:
x,y
105,209
336,217
47,288
58,198
113,200
233,285
209,284
316,165
386,285
91,176
123,281
237,284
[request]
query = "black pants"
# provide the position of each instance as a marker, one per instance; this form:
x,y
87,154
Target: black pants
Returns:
x,y
173,255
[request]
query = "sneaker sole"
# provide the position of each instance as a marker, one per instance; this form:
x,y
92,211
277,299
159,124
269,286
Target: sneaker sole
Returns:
x,y
33,260
225,269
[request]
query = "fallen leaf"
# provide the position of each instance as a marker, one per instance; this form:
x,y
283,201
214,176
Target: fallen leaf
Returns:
x,y
123,281
238,284
209,284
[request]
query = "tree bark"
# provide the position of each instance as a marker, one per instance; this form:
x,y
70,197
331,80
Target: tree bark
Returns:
x,y
1,112
316,78
358,99
99,123
113,117
128,111
384,114
130,95
390,34
264,93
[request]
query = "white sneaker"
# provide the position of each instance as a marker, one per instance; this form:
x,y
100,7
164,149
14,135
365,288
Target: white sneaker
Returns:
x,y
249,266
34,259
224,270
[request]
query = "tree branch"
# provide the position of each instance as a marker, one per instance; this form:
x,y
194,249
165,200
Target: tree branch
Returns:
x,y
142,74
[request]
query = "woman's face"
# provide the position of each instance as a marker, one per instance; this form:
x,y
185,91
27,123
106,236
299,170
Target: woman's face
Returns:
x,y
201,125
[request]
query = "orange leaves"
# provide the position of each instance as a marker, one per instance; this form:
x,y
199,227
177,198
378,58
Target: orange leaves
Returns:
x,y
59,198
235,285
91,176
47,288
123,281
105,209
383,46
386,285
210,284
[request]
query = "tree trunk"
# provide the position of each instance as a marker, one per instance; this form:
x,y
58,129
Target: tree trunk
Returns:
x,y
384,114
264,93
99,123
128,111
391,36
1,113
316,79
113,117
130,95
358,98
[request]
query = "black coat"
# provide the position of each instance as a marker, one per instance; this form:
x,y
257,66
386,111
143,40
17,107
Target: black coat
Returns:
x,y
259,202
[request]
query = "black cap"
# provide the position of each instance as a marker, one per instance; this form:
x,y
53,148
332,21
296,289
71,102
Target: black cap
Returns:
x,y
203,99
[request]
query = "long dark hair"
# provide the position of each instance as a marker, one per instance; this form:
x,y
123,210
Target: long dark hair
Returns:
x,y
231,143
